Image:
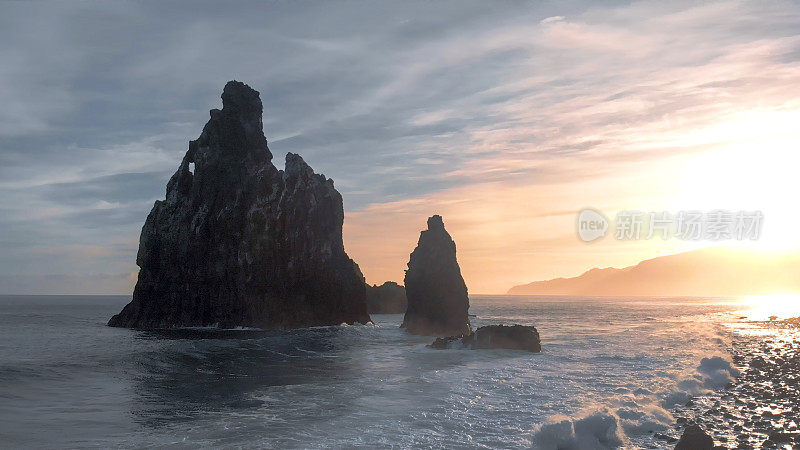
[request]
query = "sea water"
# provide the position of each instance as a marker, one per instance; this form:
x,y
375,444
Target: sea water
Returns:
x,y
608,375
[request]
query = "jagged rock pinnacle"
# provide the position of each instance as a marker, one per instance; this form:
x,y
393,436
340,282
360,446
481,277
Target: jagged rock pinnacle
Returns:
x,y
435,223
239,98
237,242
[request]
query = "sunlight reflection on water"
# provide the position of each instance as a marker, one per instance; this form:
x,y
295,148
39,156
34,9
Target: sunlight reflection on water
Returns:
x,y
773,306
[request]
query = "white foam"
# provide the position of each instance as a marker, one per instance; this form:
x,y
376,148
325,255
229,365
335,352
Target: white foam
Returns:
x,y
597,430
605,426
216,327
642,415
631,413
713,373
718,372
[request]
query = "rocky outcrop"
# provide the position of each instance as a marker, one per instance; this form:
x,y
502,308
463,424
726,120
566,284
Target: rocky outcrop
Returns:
x,y
694,438
437,295
238,242
388,298
515,337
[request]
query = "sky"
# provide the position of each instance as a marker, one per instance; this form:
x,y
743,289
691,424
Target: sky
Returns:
x,y
506,118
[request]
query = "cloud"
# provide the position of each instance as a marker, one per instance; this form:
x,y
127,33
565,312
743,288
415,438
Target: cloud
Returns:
x,y
552,19
408,107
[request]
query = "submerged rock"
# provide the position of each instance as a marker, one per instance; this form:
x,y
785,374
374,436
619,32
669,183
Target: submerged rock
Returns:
x,y
388,298
515,337
238,242
694,438
437,295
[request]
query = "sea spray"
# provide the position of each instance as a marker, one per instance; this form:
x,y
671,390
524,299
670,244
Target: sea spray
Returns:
x,y
631,414
599,429
713,373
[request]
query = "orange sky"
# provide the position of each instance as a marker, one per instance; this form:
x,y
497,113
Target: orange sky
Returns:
x,y
512,232
722,134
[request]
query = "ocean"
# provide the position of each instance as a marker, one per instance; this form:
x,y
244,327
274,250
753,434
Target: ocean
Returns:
x,y
610,374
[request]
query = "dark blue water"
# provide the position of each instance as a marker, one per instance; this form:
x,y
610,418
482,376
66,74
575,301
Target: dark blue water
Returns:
x,y
67,380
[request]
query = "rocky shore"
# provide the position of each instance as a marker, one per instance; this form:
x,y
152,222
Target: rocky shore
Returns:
x,y
761,407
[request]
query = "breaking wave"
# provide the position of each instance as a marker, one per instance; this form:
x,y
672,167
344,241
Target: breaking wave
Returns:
x,y
638,413
713,373
597,430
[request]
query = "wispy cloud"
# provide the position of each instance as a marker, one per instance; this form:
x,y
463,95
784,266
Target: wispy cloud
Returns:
x,y
497,114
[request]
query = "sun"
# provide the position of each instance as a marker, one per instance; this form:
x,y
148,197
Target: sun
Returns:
x,y
749,163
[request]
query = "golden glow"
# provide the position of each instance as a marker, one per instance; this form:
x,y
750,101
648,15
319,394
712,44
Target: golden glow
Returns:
x,y
750,166
781,306
718,135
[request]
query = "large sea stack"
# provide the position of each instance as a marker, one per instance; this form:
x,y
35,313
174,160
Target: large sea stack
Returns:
x,y
238,242
437,295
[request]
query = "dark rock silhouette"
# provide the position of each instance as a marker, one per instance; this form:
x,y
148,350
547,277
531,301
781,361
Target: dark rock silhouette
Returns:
x,y
515,337
238,242
437,295
694,438
388,298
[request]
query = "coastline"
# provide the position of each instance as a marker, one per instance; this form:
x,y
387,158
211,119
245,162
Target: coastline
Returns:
x,y
759,408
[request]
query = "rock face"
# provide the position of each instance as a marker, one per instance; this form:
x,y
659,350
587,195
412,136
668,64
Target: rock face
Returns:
x,y
515,337
388,298
694,438
437,295
238,242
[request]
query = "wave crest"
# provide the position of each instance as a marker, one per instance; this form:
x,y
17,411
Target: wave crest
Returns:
x,y
713,373
597,430
631,414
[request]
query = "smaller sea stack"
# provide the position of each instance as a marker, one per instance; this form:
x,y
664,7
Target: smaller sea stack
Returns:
x,y
437,295
388,298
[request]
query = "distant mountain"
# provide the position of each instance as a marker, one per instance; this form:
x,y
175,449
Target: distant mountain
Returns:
x,y
709,272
